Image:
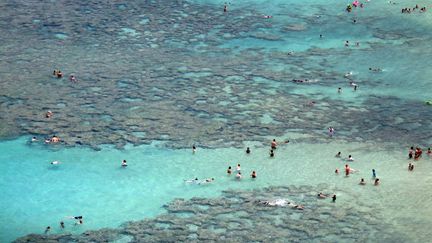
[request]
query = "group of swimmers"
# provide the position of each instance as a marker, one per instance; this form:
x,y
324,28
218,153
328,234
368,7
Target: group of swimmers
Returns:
x,y
239,174
409,10
53,139
349,170
79,221
274,145
58,74
417,153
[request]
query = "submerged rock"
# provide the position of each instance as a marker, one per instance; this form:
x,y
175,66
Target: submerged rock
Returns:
x,y
241,217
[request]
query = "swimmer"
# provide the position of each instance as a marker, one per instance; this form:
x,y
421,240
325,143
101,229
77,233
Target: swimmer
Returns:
x,y
418,153
334,198
375,69
362,182
239,175
55,162
267,16
286,141
347,170
373,173
229,170
346,43
299,207
321,36
271,153
339,90
124,163
48,114
62,225
276,202
273,144
59,74
429,152
321,195
248,150
337,171
238,167
411,167
47,230
338,155
72,78
350,158
331,131
55,139
34,139
193,149
253,175
411,153
377,182
192,181
206,181
79,218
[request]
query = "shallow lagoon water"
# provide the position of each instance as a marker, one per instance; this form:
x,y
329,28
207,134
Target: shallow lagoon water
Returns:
x,y
197,76
92,183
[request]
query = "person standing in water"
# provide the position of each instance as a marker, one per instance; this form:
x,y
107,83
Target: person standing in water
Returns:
x,y
193,149
373,173
411,153
253,175
124,163
273,144
331,131
248,150
347,170
334,198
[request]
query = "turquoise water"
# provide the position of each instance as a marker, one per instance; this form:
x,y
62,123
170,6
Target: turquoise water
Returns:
x,y
156,77
93,184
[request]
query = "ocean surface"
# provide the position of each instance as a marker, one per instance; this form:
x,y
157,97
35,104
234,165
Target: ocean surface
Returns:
x,y
157,77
